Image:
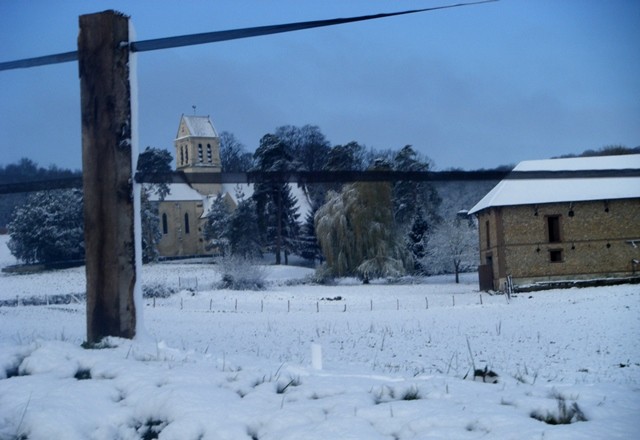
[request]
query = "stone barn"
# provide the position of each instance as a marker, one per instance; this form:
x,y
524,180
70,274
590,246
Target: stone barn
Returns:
x,y
565,228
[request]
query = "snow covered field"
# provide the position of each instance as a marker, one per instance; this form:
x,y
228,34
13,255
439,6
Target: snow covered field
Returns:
x,y
218,364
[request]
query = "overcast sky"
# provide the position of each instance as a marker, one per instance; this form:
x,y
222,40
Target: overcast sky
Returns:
x,y
470,87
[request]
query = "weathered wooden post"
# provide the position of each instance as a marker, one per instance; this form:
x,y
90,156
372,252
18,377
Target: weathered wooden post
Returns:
x,y
108,162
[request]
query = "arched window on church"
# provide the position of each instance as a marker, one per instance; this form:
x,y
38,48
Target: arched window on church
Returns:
x,y
186,155
165,226
209,153
181,155
186,222
199,152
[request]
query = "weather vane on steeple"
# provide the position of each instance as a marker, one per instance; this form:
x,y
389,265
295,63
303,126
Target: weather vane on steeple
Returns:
x,y
194,109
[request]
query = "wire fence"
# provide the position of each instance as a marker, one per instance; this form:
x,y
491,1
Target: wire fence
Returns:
x,y
215,303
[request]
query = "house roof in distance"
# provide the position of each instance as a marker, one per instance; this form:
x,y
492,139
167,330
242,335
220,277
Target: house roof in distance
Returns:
x,y
182,192
510,192
200,126
178,192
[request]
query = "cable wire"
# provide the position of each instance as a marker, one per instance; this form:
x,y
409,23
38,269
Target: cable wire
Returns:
x,y
218,36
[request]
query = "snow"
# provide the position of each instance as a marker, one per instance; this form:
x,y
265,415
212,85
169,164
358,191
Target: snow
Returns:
x,y
511,192
240,365
199,126
179,192
137,187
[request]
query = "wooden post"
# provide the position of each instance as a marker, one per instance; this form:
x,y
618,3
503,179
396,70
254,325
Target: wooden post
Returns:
x,y
108,167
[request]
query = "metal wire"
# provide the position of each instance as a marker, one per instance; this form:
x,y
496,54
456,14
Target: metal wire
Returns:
x,y
213,37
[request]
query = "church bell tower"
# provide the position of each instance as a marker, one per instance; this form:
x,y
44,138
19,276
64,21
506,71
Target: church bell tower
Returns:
x,y
198,150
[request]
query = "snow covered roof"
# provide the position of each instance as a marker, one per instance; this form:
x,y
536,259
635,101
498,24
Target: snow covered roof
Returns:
x,y
302,201
181,192
199,126
511,192
178,192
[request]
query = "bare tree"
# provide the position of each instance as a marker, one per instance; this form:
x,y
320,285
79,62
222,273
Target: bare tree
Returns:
x,y
453,247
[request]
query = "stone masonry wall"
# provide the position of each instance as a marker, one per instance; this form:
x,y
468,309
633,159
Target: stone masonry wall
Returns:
x,y
595,240
177,242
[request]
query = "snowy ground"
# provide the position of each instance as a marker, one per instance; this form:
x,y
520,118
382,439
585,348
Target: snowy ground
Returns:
x,y
217,364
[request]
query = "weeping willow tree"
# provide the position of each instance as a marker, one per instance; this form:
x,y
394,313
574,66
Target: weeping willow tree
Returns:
x,y
356,231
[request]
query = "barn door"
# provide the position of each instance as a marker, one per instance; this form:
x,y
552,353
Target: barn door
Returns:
x,y
485,275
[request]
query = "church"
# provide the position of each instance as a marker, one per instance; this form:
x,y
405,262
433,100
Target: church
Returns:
x,y
184,210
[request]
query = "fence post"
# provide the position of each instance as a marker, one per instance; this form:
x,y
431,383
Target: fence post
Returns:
x,y
108,161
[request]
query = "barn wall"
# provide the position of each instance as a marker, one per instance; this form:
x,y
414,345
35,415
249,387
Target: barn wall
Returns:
x,y
594,242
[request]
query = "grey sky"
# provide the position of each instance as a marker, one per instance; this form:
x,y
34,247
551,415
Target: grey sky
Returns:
x,y
470,87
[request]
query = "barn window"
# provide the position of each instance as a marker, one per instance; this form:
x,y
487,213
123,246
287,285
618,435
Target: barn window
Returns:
x,y
555,255
486,232
165,226
553,228
186,223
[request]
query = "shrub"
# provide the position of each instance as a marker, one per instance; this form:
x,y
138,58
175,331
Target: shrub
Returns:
x,y
412,393
281,387
150,429
564,416
48,227
157,291
241,274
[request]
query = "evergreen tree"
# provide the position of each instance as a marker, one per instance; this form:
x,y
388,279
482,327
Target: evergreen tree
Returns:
x,y
310,149
275,205
309,246
348,157
49,227
357,233
416,241
243,234
283,227
408,196
216,228
150,221
307,145
152,160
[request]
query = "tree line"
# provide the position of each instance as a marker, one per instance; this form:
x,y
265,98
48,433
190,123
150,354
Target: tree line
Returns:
x,y
363,229
25,170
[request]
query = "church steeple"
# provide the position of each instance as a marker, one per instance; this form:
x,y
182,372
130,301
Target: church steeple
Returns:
x,y
198,149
